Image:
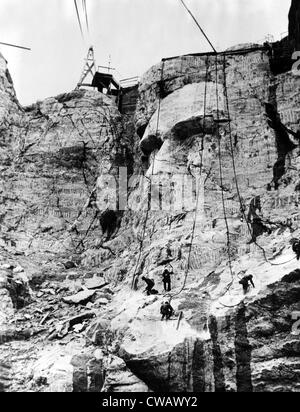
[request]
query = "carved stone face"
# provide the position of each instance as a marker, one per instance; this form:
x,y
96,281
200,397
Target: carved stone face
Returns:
x,y
181,139
188,112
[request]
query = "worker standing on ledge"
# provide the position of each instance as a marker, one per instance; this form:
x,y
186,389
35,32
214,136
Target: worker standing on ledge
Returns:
x,y
245,282
166,278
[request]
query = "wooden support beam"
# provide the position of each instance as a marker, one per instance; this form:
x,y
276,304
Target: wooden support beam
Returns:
x,y
179,319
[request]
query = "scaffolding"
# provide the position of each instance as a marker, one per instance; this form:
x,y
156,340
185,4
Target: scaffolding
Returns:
x,y
88,69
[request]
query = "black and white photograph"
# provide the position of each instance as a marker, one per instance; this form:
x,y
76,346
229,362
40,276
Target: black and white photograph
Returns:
x,y
149,199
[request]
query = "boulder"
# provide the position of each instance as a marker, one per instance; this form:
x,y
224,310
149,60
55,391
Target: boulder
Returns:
x,y
62,369
63,327
95,283
118,378
80,298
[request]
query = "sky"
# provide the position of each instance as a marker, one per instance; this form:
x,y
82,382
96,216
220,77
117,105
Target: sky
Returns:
x,y
135,33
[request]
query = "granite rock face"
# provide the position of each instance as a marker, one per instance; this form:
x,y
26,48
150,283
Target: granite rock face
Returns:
x,y
10,109
258,156
50,172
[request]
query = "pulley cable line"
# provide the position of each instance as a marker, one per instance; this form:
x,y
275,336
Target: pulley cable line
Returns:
x,y
198,25
135,274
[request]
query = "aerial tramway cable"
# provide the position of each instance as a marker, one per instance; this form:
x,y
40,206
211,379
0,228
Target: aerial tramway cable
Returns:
x,y
14,45
78,18
198,25
86,15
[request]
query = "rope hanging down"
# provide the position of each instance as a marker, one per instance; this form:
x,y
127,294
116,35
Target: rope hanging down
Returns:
x,y
242,206
222,181
135,274
198,25
198,189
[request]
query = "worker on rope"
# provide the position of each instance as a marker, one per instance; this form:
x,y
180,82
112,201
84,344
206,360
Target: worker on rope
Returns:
x,y
255,219
150,285
296,247
246,281
166,278
166,311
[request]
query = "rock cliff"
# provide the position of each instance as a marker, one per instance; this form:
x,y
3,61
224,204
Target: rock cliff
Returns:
x,y
294,25
218,137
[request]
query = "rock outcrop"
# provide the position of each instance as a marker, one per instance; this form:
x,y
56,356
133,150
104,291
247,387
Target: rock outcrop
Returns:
x,y
294,24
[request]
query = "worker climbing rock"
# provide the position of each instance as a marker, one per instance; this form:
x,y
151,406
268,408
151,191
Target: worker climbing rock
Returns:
x,y
246,281
296,247
166,278
150,285
256,220
166,311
